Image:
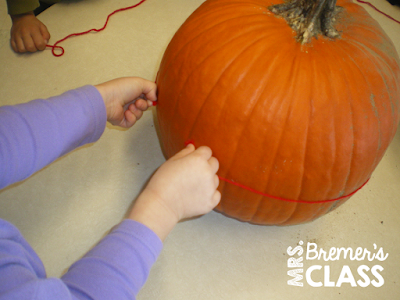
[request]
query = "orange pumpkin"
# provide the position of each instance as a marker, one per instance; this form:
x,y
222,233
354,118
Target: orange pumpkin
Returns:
x,y
300,121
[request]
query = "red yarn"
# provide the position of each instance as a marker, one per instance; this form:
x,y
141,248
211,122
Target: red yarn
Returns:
x,y
190,142
386,15
284,199
280,198
54,47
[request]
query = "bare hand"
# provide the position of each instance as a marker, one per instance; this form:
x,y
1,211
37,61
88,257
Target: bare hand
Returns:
x,y
28,33
183,187
126,99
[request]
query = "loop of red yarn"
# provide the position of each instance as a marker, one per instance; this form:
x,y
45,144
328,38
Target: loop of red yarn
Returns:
x,y
280,198
55,46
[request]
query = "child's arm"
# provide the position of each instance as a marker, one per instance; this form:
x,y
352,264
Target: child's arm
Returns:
x,y
183,187
36,133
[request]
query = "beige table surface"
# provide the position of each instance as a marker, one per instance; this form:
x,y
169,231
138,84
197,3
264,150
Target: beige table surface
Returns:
x,y
66,208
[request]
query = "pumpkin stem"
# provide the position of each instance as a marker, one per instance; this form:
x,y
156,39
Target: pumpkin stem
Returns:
x,y
309,18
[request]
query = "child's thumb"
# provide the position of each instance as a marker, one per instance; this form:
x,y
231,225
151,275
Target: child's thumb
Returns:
x,y
184,152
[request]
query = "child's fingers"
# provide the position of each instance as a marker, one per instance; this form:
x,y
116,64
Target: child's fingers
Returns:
x,y
142,104
45,33
205,152
137,112
216,198
19,44
14,45
29,43
38,40
214,163
184,152
216,181
151,103
128,121
149,89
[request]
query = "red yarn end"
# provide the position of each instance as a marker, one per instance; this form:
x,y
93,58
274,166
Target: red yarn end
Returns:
x,y
190,142
154,103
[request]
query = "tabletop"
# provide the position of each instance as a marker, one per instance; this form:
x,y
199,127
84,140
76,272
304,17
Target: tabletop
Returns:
x,y
66,208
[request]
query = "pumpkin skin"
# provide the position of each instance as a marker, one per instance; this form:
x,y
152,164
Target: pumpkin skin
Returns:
x,y
303,122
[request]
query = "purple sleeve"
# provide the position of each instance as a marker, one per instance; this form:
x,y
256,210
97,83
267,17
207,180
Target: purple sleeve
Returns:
x,y
34,134
118,266
114,269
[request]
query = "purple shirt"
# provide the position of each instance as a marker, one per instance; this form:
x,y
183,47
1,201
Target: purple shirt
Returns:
x,y
32,135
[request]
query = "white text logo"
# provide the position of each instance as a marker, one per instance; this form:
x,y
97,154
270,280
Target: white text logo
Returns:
x,y
365,275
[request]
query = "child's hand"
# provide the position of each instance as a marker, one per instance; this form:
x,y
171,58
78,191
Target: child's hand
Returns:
x,y
183,187
126,99
28,33
186,184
